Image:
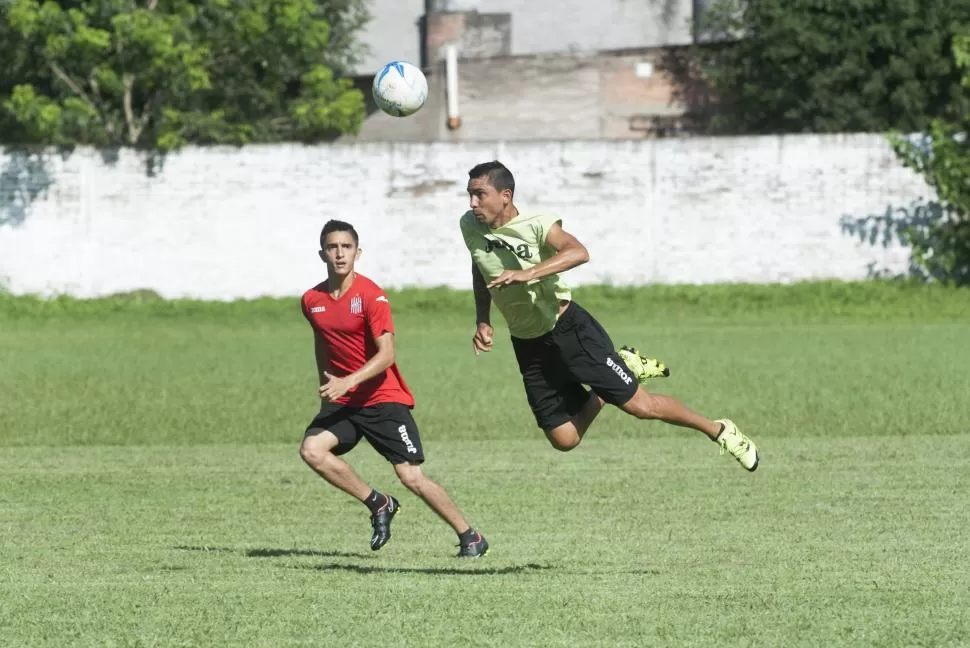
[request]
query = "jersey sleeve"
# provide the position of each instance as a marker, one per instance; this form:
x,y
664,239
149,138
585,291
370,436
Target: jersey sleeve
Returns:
x,y
542,225
379,320
467,231
305,309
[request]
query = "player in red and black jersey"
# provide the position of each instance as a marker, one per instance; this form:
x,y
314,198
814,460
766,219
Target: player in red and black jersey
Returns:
x,y
363,393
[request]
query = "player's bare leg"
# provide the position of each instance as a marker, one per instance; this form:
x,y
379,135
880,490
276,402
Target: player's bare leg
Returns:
x,y
567,436
724,432
317,451
433,495
438,500
645,405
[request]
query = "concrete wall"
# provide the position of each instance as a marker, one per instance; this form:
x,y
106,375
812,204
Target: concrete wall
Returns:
x,y
224,223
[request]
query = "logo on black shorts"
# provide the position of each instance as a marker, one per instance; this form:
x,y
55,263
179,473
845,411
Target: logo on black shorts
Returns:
x,y
619,370
403,430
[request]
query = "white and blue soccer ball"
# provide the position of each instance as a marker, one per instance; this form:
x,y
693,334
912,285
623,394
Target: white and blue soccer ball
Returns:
x,y
400,89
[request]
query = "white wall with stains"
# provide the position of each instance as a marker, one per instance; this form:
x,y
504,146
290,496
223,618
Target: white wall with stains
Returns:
x,y
242,223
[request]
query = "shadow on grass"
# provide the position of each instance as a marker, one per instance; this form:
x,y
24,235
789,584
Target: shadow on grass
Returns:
x,y
280,553
274,553
476,569
434,571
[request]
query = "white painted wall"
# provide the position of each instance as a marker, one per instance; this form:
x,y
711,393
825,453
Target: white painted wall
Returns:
x,y
227,223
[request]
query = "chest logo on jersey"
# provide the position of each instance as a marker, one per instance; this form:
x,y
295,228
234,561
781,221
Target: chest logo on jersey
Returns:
x,y
356,305
522,251
318,309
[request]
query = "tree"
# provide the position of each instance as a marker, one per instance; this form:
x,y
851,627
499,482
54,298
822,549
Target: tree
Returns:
x,y
788,66
346,19
941,240
163,73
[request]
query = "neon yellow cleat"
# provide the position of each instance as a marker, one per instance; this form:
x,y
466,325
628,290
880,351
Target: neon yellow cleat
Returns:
x,y
738,445
643,368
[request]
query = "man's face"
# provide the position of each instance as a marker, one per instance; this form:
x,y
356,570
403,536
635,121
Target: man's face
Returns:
x,y
340,253
487,203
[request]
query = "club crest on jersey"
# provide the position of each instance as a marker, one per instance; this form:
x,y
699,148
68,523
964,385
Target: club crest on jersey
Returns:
x,y
356,305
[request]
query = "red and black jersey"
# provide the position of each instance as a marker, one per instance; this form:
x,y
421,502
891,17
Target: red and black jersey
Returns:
x,y
350,326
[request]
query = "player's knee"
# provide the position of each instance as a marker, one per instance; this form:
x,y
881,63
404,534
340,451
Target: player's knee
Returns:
x,y
563,440
412,477
313,453
564,446
643,405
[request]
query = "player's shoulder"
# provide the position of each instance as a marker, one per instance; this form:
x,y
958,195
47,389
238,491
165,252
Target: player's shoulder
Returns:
x,y
535,225
528,218
468,221
369,289
315,293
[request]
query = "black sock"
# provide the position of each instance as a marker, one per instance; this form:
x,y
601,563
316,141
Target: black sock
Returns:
x,y
375,501
720,432
467,536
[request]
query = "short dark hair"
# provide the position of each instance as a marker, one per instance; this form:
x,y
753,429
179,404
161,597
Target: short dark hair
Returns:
x,y
497,173
338,226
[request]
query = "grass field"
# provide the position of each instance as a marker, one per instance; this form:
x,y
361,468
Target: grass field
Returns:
x,y
152,494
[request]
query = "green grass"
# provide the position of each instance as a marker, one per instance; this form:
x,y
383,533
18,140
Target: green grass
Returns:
x,y
152,494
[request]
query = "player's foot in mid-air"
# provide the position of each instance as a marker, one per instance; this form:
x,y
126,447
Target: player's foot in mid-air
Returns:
x,y
473,545
381,521
737,445
643,368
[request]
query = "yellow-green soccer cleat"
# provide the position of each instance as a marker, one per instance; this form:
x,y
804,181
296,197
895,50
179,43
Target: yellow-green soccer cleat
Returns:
x,y
738,445
643,368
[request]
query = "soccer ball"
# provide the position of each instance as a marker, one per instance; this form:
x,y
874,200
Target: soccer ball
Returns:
x,y
400,89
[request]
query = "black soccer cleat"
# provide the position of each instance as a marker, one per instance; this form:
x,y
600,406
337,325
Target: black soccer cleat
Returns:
x,y
381,521
476,547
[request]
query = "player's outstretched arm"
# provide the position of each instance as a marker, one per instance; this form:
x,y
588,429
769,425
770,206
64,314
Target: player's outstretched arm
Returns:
x,y
482,340
333,387
569,254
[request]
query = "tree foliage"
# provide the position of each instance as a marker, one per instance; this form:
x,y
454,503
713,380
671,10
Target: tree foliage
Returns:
x,y
788,66
941,244
163,73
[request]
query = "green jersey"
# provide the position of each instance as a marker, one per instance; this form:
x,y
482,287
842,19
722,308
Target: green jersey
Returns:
x,y
531,309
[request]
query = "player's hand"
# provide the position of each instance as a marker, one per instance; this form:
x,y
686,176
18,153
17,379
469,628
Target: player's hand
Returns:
x,y
335,387
510,277
482,340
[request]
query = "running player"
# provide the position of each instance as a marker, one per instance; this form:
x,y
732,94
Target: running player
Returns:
x,y
363,394
517,259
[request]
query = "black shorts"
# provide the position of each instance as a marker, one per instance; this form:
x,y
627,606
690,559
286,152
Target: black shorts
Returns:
x,y
388,427
556,366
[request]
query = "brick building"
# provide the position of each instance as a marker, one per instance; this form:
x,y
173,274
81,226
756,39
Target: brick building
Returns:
x,y
536,69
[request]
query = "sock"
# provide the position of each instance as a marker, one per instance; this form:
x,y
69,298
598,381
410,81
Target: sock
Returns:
x,y
467,536
375,501
720,433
